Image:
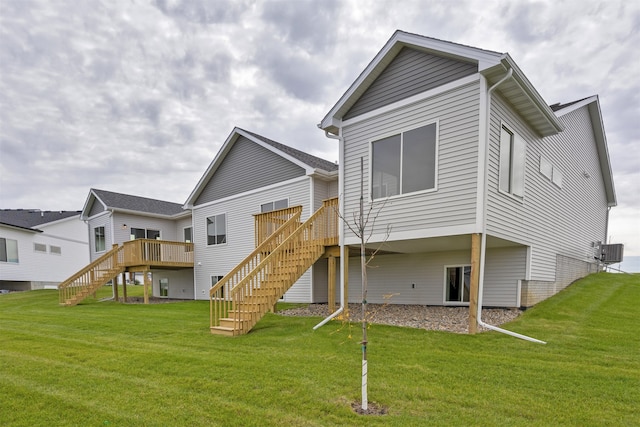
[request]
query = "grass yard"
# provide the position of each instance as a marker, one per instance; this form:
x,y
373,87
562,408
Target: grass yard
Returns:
x,y
105,363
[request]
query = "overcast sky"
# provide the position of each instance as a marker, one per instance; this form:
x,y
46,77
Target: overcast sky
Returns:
x,y
137,96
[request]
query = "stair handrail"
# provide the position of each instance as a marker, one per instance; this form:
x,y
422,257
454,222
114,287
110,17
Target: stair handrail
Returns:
x,y
65,289
310,237
248,264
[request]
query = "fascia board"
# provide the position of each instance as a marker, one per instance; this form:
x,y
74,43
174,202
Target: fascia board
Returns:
x,y
576,106
308,169
532,93
20,228
603,151
485,59
58,221
84,215
213,166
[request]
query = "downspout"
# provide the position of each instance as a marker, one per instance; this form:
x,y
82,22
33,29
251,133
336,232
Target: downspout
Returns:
x,y
340,229
483,241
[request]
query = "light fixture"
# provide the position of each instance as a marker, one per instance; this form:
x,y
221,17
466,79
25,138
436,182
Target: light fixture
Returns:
x,y
124,226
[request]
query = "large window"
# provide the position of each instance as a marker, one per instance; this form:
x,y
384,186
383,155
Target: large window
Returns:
x,y
141,233
274,206
99,239
188,235
457,284
217,229
404,163
513,152
8,250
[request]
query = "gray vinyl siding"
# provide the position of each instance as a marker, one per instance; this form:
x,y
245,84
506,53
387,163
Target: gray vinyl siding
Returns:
x,y
411,72
554,221
504,267
166,227
220,259
180,283
320,193
181,224
99,221
246,167
454,202
96,208
391,277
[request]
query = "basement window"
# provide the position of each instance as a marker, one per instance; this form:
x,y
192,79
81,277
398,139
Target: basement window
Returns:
x,y
457,283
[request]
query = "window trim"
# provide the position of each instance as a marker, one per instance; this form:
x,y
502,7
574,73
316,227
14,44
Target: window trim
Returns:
x,y
401,132
95,239
226,229
6,251
445,285
273,203
190,227
516,139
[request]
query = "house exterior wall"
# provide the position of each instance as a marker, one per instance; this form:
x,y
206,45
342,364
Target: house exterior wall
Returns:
x,y
36,270
411,72
219,259
391,278
167,227
424,214
553,220
101,220
96,208
180,283
181,224
246,167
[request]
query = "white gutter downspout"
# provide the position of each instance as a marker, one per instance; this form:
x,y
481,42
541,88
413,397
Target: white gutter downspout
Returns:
x,y
483,244
340,233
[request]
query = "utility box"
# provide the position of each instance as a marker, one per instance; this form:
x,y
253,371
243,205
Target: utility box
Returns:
x,y
612,254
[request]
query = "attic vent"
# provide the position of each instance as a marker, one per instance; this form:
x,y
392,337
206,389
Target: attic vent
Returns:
x,y
612,254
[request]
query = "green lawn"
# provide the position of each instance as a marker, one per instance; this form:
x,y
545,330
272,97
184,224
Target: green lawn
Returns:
x,y
104,363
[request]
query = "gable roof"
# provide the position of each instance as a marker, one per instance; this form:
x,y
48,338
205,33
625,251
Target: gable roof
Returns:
x,y
30,219
593,107
493,65
134,204
313,166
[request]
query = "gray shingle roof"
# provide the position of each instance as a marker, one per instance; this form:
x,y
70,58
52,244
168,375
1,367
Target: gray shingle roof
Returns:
x,y
31,218
558,106
137,203
308,159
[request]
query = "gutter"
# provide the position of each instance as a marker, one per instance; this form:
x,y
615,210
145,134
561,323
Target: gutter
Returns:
x,y
483,241
340,233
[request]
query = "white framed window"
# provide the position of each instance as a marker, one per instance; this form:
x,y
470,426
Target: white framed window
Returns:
x,y
513,152
404,163
55,250
274,206
214,280
142,233
217,229
8,250
40,247
457,284
551,172
99,239
188,235
164,287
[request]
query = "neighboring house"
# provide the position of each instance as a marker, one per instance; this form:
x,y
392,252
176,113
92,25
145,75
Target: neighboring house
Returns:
x,y
251,175
469,166
115,218
39,249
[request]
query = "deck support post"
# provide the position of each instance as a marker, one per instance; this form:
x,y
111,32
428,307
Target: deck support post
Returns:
x,y
331,263
346,282
124,287
114,283
147,279
475,280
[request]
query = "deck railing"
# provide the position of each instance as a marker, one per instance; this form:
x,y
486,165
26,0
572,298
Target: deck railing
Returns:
x,y
254,289
91,277
140,252
267,223
158,253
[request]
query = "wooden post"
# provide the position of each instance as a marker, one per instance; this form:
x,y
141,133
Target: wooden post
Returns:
x,y
331,261
475,281
346,282
114,283
124,287
146,286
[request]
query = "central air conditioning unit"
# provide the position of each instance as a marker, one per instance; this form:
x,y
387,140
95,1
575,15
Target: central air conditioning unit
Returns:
x,y
611,254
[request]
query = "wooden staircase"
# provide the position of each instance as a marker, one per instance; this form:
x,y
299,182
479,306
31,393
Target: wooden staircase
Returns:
x,y
95,275
252,288
136,255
